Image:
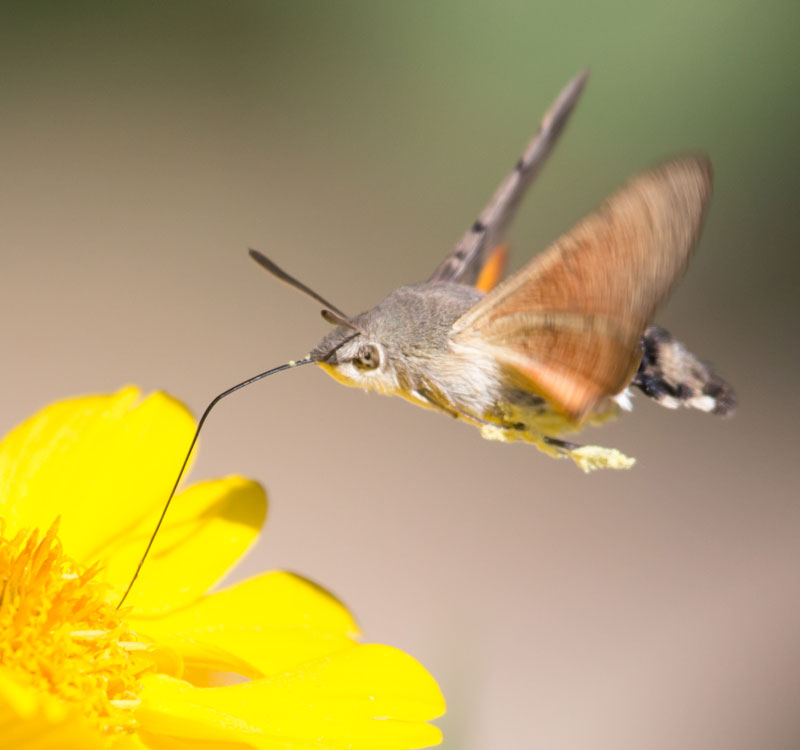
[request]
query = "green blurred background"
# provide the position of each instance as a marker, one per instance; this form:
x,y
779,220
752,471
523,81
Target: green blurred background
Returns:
x,y
146,145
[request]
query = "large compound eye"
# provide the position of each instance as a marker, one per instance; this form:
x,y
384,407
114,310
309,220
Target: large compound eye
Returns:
x,y
368,357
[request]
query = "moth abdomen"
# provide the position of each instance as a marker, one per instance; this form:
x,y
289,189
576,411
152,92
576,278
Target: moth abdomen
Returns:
x,y
672,376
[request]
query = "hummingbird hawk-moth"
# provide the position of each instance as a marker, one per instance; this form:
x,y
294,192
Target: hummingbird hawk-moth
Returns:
x,y
560,343
556,346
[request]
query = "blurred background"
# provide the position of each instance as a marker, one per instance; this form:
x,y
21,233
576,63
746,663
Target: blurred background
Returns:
x,y
146,145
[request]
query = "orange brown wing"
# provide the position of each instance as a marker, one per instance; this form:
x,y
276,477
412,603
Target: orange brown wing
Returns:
x,y
568,324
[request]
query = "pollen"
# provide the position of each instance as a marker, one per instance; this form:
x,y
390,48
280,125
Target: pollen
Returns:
x,y
60,633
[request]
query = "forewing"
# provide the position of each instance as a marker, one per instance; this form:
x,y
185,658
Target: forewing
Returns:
x,y
470,254
568,324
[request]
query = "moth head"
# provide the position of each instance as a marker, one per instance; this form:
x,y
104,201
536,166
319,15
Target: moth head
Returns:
x,y
355,357
352,353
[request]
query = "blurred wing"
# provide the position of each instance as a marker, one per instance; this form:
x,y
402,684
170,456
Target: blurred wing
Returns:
x,y
469,256
568,324
493,270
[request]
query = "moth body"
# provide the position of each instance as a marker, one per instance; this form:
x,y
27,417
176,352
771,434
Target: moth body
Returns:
x,y
406,347
403,347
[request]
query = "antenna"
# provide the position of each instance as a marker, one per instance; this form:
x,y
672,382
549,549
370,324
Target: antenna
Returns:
x,y
335,320
286,278
214,402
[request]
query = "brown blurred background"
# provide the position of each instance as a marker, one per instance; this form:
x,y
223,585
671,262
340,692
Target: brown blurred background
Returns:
x,y
144,146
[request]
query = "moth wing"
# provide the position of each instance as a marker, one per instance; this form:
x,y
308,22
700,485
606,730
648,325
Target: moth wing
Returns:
x,y
493,269
472,251
568,324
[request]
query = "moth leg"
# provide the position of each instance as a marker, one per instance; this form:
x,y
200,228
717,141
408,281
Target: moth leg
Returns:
x,y
425,395
560,445
587,457
456,413
509,428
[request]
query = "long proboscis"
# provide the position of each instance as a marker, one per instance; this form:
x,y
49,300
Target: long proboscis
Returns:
x,y
214,402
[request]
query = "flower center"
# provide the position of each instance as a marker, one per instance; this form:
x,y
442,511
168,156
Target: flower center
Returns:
x,y
59,634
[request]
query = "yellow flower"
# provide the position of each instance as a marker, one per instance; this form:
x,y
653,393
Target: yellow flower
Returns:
x,y
81,484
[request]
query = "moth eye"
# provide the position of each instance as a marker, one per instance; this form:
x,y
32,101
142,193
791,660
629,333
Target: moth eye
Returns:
x,y
368,357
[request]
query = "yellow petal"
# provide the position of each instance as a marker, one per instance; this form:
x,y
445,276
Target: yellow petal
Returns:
x,y
99,462
162,742
146,741
267,624
367,698
207,529
129,742
30,720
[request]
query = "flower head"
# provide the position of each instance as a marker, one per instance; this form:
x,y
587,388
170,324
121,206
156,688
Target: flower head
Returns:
x,y
80,487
